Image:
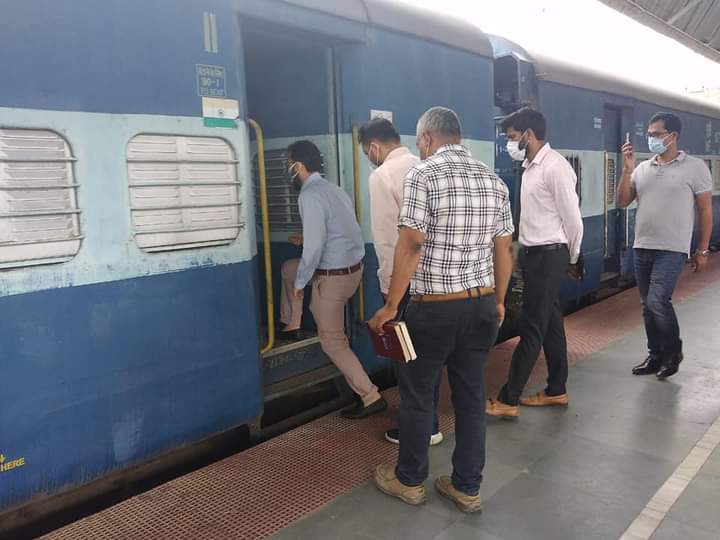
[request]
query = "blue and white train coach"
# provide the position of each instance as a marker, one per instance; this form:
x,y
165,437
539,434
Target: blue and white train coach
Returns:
x,y
133,281
141,236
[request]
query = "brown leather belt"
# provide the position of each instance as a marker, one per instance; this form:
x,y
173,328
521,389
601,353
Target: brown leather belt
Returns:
x,y
340,271
475,292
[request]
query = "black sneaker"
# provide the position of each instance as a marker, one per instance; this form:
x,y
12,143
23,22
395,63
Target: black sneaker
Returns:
x,y
393,436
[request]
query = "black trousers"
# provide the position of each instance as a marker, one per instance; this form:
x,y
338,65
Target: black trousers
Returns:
x,y
402,310
458,333
541,325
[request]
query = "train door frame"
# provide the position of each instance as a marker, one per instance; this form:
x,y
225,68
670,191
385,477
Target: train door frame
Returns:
x,y
515,86
306,353
613,119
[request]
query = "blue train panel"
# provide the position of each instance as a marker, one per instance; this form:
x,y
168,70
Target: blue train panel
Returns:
x,y
118,56
407,76
103,376
571,112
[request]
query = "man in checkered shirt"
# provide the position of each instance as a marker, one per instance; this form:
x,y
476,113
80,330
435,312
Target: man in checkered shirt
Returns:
x,y
455,251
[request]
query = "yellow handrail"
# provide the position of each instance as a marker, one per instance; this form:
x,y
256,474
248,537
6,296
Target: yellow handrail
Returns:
x,y
265,214
358,212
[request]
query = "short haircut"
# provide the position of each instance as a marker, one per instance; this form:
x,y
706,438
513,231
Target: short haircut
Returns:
x,y
524,119
440,120
378,129
306,153
671,121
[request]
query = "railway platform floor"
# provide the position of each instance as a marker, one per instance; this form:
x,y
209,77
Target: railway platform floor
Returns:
x,y
631,457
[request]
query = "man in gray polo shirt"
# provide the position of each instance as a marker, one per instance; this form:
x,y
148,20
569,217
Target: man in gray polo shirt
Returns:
x,y
668,188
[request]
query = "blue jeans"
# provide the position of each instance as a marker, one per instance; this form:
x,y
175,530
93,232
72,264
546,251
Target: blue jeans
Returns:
x,y
460,334
436,399
657,273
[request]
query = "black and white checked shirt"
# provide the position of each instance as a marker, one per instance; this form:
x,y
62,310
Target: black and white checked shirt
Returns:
x,y
461,206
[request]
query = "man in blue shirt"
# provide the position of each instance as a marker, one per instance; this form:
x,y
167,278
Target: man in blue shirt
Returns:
x,y
333,250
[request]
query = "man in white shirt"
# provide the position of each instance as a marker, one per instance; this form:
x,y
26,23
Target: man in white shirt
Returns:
x,y
551,231
381,143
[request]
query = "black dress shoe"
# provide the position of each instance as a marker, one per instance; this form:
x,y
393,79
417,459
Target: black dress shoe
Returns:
x,y
358,411
292,335
670,366
650,366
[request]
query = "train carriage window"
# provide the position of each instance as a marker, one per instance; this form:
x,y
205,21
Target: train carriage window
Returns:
x,y
577,167
282,198
714,168
39,214
183,192
610,179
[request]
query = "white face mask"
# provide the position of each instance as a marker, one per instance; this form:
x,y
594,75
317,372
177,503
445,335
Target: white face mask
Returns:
x,y
293,177
424,152
513,148
373,163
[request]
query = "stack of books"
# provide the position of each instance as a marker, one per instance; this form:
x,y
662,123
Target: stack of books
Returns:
x,y
395,343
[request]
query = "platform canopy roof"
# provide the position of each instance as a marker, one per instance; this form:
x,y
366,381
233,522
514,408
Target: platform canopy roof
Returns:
x,y
694,23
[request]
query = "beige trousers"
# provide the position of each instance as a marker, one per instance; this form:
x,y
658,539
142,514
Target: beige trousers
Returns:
x,y
329,296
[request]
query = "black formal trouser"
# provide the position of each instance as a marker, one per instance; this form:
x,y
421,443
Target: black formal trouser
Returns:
x,y
541,325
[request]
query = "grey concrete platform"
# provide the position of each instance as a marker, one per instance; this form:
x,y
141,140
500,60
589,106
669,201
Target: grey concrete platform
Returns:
x,y
576,474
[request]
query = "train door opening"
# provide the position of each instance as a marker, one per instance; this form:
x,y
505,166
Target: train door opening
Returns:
x,y
515,86
290,87
612,233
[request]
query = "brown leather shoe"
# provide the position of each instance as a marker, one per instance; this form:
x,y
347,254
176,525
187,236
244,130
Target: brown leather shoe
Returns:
x,y
387,482
498,409
466,503
541,399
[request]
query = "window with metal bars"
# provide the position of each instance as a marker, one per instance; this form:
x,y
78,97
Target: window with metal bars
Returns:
x,y
184,192
577,167
39,214
611,179
283,211
713,166
282,198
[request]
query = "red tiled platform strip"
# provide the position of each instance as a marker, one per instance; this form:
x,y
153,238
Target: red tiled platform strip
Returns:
x,y
260,491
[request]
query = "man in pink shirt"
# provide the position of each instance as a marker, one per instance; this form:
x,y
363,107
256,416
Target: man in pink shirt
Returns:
x,y
551,231
391,161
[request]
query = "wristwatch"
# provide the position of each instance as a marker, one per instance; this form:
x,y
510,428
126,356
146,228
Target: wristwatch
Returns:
x,y
702,252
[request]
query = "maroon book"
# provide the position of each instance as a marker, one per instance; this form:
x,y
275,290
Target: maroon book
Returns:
x,y
395,344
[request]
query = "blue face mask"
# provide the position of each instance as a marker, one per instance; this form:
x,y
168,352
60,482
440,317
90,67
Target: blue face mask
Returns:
x,y
656,145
